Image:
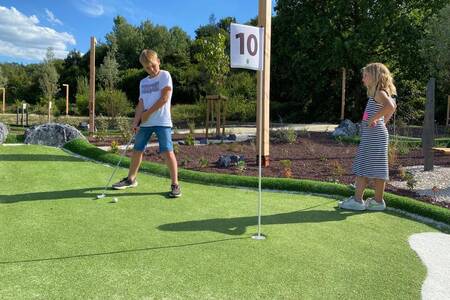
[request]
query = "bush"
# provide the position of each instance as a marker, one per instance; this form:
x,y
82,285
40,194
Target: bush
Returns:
x,y
240,109
283,136
112,103
185,113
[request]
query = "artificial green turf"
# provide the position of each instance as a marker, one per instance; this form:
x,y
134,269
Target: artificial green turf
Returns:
x,y
59,243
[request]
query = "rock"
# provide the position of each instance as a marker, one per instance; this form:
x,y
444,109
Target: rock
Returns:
x,y
226,161
83,126
51,134
3,133
346,128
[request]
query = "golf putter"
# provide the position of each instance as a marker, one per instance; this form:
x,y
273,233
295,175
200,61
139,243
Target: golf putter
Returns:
x,y
102,195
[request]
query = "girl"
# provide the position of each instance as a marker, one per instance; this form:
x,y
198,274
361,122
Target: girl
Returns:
x,y
371,161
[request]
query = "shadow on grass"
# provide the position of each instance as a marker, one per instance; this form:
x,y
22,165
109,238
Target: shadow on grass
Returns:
x,y
37,157
118,252
238,226
90,193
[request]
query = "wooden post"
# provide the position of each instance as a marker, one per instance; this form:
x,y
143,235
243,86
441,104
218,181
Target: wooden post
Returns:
x,y
263,82
448,111
4,104
92,88
67,98
343,94
428,127
49,110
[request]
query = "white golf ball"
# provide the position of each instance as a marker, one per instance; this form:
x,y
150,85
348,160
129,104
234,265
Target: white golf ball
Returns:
x,y
115,200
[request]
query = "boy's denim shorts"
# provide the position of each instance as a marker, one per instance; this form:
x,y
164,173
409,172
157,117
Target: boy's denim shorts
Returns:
x,y
164,135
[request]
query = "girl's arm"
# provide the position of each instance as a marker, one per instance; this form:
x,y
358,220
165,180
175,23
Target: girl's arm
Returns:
x,y
387,111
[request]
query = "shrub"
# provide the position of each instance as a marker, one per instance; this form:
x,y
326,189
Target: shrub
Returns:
x,y
284,136
114,147
189,140
113,103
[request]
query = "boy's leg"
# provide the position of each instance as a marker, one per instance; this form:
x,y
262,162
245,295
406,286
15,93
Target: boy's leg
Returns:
x,y
361,184
136,160
171,162
379,189
141,139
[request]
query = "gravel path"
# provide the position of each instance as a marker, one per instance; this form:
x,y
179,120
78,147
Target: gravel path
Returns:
x,y
435,184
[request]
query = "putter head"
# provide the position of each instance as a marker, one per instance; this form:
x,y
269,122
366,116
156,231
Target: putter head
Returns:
x,y
101,196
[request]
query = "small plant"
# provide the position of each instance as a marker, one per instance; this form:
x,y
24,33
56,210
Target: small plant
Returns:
x,y
189,140
125,127
203,162
401,172
191,126
392,154
304,133
287,167
337,171
114,147
176,148
323,158
284,136
184,162
240,166
403,148
102,127
410,180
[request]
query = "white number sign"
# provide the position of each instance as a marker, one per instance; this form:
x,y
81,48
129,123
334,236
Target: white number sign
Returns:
x,y
246,46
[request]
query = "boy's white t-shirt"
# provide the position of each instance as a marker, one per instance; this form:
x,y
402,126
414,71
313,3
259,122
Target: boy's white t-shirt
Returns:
x,y
149,92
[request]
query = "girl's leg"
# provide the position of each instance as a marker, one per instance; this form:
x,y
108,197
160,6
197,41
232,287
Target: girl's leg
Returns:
x,y
171,162
379,189
361,184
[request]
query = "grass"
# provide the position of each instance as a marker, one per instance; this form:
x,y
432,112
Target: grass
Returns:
x,y
59,243
410,205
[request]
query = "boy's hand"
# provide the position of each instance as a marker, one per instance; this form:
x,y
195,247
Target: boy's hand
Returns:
x,y
145,115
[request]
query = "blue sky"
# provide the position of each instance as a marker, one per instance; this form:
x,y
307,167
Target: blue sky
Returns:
x,y
29,27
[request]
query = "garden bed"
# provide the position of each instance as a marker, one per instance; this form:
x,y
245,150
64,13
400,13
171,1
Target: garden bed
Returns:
x,y
312,156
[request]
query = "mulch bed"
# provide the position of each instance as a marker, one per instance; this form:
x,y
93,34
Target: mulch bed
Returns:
x,y
313,156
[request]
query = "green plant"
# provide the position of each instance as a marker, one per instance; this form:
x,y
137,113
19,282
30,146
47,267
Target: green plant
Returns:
x,y
125,127
189,140
101,123
203,162
240,166
191,126
284,136
410,180
337,171
392,154
176,148
114,147
287,167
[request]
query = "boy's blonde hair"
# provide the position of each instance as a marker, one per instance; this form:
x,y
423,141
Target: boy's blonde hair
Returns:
x,y
382,79
146,56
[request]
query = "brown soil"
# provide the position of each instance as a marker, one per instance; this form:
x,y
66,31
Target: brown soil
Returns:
x,y
312,156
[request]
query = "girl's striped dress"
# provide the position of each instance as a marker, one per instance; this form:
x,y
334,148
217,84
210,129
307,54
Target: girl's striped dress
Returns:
x,y
372,157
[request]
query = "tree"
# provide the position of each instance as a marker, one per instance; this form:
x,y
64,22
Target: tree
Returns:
x,y
49,78
108,73
312,41
3,79
435,50
214,61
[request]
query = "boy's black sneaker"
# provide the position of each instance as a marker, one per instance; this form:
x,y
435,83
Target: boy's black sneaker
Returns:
x,y
124,184
175,191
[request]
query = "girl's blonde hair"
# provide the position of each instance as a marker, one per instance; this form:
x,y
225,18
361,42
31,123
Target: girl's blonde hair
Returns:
x,y
382,79
146,56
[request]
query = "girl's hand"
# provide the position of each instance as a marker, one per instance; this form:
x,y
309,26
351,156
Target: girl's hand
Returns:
x,y
372,122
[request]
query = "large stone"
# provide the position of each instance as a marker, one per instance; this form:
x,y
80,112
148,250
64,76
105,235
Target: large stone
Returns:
x,y
3,133
226,161
52,134
346,128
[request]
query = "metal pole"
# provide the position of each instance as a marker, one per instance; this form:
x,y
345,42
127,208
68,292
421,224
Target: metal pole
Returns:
x,y
260,236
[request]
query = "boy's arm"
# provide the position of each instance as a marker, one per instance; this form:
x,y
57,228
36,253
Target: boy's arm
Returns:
x,y
138,115
387,111
165,94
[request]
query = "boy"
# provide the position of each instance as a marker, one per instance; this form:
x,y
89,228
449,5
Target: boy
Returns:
x,y
153,116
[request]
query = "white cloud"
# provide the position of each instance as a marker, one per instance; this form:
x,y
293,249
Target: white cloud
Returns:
x,y
90,7
22,37
51,18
